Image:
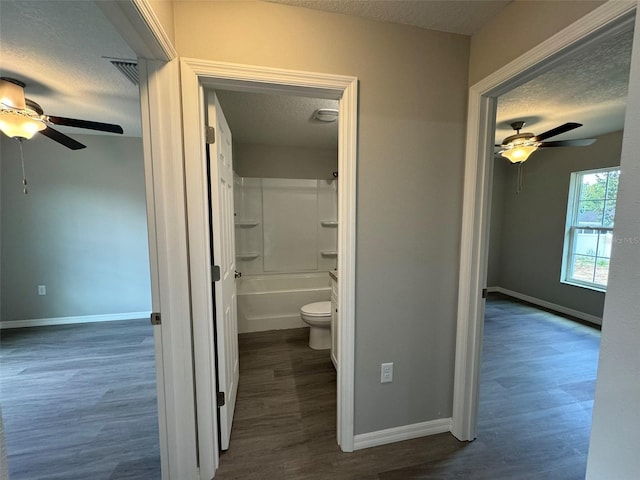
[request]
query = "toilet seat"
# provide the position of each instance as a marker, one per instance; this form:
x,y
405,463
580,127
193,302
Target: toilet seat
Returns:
x,y
317,309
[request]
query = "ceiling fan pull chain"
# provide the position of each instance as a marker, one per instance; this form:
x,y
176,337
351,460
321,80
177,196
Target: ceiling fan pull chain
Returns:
x,y
24,175
520,177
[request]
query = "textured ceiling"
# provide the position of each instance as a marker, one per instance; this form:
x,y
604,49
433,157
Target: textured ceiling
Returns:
x,y
278,120
589,87
56,48
463,17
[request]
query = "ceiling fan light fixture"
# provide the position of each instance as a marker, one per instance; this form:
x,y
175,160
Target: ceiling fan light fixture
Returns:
x,y
17,124
12,94
519,153
19,117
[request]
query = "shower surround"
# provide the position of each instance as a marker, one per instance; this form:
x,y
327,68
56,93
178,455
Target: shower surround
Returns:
x,y
286,243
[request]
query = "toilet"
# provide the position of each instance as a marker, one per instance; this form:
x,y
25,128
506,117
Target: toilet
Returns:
x,y
318,316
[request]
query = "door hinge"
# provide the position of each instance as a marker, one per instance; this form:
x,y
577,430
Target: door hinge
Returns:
x,y
215,273
220,399
155,318
484,293
211,135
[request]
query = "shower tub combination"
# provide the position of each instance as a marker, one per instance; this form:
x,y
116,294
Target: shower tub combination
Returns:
x,y
273,301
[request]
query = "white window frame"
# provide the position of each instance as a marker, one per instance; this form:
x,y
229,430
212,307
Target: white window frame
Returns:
x,y
575,185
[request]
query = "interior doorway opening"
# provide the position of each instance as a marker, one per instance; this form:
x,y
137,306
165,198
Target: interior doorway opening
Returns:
x,y
475,237
70,358
281,182
541,334
196,76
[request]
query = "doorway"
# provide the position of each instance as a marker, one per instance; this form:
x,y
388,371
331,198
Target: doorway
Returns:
x,y
477,202
74,375
538,367
195,77
277,195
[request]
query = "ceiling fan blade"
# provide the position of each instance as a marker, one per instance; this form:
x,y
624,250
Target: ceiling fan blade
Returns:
x,y
582,142
556,131
62,139
72,122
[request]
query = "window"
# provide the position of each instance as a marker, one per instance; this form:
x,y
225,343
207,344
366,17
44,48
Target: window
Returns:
x,y
589,234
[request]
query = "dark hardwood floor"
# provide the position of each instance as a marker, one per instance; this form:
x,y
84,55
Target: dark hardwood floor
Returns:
x,y
538,378
79,402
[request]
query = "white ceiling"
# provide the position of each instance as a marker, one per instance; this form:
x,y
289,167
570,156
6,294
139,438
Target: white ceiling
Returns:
x,y
58,47
589,87
463,17
278,120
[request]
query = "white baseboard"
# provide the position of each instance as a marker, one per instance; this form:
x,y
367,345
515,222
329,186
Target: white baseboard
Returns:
x,y
45,322
263,324
399,434
551,306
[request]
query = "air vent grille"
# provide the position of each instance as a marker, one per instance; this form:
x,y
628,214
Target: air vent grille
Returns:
x,y
128,68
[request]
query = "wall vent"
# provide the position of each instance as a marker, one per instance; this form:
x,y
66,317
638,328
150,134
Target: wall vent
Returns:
x,y
128,68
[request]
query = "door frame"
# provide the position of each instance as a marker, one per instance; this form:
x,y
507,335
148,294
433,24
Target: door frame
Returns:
x,y
477,193
158,69
195,76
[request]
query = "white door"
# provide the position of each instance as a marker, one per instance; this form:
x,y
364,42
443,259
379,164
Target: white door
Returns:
x,y
223,255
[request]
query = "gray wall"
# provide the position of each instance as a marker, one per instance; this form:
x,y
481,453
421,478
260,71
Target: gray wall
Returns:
x,y
500,170
532,21
267,161
412,114
526,249
81,230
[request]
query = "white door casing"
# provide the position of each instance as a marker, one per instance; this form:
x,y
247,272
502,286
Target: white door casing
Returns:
x,y
162,141
164,178
477,193
223,254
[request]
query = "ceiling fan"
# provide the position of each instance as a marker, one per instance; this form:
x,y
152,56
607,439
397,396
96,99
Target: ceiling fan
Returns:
x,y
22,118
519,146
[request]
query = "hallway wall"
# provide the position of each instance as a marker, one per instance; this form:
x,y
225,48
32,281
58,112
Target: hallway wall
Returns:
x,y
412,111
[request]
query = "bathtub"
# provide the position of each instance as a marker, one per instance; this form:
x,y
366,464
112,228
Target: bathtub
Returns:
x,y
272,302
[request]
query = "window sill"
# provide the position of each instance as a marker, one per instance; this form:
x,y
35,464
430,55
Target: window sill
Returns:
x,y
584,285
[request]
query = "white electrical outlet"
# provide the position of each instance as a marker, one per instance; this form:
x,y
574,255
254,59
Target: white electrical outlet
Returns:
x,y
42,289
386,372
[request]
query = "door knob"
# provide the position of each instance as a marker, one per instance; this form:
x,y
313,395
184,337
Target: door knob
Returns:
x,y
238,274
